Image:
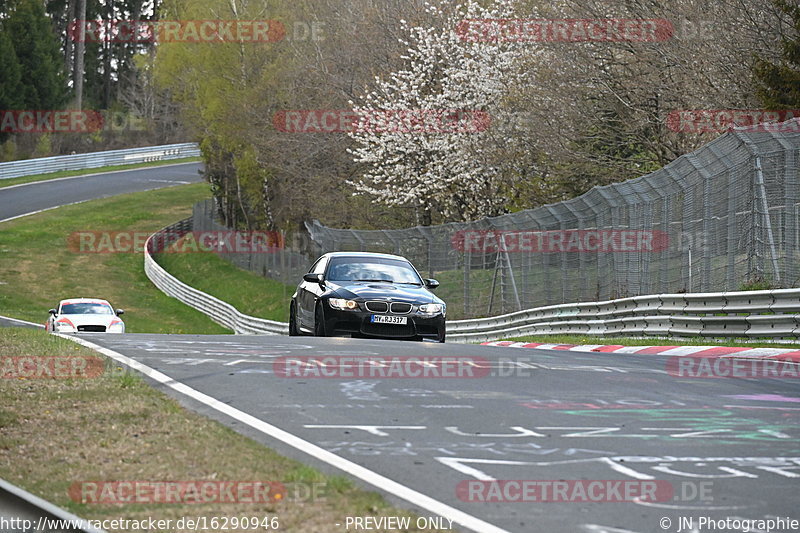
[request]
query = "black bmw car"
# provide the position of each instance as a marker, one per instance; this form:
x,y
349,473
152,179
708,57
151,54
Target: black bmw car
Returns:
x,y
366,295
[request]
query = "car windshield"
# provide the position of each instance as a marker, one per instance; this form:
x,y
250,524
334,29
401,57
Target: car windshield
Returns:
x,y
86,309
372,269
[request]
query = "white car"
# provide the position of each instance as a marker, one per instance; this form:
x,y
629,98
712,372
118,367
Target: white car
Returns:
x,y
77,315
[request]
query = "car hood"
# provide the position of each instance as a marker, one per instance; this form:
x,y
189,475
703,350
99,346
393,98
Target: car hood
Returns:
x,y
90,320
369,290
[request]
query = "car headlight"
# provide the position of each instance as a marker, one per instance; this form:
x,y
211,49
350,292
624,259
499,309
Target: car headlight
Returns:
x,y
345,305
65,324
116,327
431,309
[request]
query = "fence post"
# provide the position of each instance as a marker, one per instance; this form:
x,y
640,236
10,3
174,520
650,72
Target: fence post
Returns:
x,y
705,279
732,194
790,215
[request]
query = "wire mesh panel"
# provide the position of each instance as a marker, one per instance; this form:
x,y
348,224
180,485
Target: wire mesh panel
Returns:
x,y
283,262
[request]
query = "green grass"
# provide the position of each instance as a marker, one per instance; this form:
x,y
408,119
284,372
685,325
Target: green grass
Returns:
x,y
451,290
249,293
67,173
654,341
37,268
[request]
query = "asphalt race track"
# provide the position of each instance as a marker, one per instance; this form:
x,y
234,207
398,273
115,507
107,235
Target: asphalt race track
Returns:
x,y
40,195
725,447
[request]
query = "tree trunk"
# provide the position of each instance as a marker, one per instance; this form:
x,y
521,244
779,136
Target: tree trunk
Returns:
x,y
108,50
68,44
79,53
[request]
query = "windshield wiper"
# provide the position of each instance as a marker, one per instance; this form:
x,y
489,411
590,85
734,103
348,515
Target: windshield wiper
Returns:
x,y
376,280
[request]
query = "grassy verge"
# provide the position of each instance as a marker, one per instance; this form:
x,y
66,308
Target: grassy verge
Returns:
x,y
56,432
37,268
67,173
251,294
653,341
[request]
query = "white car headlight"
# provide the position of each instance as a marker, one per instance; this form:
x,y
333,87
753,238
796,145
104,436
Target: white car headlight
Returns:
x,y
116,327
65,325
431,309
341,303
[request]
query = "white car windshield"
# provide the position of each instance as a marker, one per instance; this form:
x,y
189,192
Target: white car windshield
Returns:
x,y
86,309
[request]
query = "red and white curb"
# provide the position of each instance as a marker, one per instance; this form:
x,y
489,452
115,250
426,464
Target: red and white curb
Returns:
x,y
778,354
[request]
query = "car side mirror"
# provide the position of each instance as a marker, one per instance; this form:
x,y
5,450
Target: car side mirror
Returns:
x,y
119,311
52,311
431,283
313,278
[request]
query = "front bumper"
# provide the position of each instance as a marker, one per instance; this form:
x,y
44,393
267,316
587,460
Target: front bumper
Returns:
x,y
358,323
89,328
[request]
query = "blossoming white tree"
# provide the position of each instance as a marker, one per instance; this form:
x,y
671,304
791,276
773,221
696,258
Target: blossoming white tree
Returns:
x,y
422,136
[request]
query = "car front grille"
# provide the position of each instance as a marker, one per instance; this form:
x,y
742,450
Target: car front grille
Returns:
x,y
400,308
100,329
377,307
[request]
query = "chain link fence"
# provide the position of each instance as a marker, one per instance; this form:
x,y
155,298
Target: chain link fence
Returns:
x,y
717,219
283,264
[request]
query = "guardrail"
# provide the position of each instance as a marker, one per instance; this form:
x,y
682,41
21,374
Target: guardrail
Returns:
x,y
46,165
220,312
36,514
770,313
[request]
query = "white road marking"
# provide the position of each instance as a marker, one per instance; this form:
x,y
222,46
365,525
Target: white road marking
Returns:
x,y
686,350
521,432
689,507
372,430
373,478
73,177
22,321
630,349
459,464
94,174
34,212
585,347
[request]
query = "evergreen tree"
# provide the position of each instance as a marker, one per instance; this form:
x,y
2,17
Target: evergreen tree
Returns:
x,y
10,80
10,75
779,83
37,48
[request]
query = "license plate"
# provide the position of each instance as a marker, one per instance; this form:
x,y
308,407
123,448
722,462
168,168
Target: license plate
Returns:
x,y
388,319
